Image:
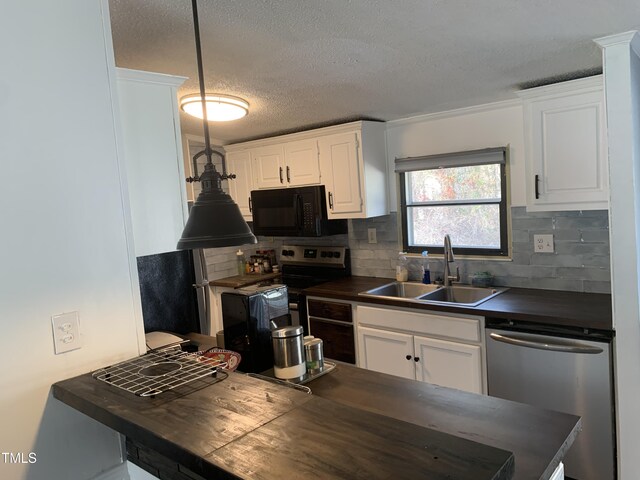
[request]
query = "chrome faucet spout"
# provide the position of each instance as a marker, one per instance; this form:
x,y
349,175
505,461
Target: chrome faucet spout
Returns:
x,y
448,250
449,258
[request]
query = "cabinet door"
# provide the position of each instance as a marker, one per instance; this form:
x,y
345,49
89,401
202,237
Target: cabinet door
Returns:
x,y
449,364
302,165
338,340
268,166
340,173
567,152
153,159
386,352
239,163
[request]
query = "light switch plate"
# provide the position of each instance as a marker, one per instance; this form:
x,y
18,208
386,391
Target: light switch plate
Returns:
x,y
543,243
371,235
66,332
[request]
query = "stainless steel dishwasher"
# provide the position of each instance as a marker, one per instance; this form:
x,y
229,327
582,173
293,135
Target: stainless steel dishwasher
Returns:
x,y
563,369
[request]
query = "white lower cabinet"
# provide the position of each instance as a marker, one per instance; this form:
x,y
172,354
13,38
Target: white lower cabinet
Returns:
x,y
450,364
436,348
386,352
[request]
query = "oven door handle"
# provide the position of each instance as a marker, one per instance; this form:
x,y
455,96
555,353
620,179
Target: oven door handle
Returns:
x,y
560,346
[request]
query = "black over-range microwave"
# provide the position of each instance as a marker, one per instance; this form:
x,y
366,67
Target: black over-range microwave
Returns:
x,y
293,212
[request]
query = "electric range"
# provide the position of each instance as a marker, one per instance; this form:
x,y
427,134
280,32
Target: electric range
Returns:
x,y
305,266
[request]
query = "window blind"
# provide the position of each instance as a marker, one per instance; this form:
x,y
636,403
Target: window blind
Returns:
x,y
448,160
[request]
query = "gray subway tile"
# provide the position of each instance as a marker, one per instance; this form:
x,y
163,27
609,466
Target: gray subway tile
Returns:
x,y
592,286
556,260
580,223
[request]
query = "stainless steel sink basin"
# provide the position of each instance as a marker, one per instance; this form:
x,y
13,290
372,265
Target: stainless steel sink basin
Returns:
x,y
461,295
401,290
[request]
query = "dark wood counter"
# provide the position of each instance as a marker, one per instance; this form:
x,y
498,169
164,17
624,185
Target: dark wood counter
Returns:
x,y
538,438
243,427
550,307
239,281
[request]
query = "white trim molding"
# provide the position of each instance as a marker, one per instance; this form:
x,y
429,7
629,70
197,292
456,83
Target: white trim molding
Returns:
x,y
454,113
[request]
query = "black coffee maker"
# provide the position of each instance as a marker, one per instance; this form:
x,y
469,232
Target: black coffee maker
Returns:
x,y
247,314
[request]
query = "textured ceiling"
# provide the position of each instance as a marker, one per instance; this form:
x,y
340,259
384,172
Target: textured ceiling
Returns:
x,y
307,63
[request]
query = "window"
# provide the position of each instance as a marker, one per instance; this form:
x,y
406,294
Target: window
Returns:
x,y
462,194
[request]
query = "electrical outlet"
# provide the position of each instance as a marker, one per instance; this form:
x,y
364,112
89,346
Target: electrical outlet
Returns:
x,y
66,332
543,243
372,235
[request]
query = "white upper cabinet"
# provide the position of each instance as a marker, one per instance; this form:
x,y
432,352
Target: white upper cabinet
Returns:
x,y
301,163
292,164
566,141
153,158
268,166
341,175
349,160
239,163
353,170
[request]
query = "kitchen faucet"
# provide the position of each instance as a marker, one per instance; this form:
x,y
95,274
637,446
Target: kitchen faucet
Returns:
x,y
449,258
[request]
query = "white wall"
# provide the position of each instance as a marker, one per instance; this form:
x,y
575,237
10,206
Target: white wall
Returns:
x,y
64,232
493,125
622,90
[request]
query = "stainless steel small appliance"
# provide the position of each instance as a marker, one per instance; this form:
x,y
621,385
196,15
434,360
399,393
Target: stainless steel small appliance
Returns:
x,y
288,353
293,212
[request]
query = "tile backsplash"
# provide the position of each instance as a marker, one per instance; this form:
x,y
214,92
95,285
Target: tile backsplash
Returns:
x,y
580,261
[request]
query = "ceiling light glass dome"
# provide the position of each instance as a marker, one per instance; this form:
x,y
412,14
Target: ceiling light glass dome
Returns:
x,y
220,108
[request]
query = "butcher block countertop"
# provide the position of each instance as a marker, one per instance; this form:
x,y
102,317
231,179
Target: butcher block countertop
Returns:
x,y
239,281
356,424
550,307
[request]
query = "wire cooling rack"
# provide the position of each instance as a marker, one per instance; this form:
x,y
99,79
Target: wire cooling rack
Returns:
x,y
159,371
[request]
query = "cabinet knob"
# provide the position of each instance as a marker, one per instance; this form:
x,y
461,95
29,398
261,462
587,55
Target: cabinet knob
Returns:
x,y
408,357
417,359
250,206
331,200
280,169
288,174
537,186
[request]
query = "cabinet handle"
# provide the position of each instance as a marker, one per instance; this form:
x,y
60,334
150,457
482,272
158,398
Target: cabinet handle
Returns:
x,y
416,359
281,175
250,205
288,175
408,357
536,186
331,200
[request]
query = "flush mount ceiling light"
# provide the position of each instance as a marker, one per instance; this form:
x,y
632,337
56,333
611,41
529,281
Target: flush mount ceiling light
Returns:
x,y
220,108
214,219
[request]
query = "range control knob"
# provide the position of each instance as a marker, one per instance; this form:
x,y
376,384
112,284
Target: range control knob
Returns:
x,y
291,253
323,254
336,254
283,253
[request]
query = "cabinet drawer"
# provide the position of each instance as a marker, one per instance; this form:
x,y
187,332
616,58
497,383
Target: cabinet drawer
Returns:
x,y
338,341
332,310
458,327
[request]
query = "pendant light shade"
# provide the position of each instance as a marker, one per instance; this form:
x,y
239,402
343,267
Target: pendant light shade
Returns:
x,y
214,219
220,108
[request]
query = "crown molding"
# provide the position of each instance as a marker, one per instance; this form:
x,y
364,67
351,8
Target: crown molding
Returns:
x,y
427,117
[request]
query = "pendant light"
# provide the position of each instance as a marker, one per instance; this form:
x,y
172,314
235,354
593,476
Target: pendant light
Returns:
x,y
214,219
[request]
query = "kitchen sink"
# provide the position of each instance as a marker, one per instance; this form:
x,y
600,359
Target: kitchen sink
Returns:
x,y
401,290
461,295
